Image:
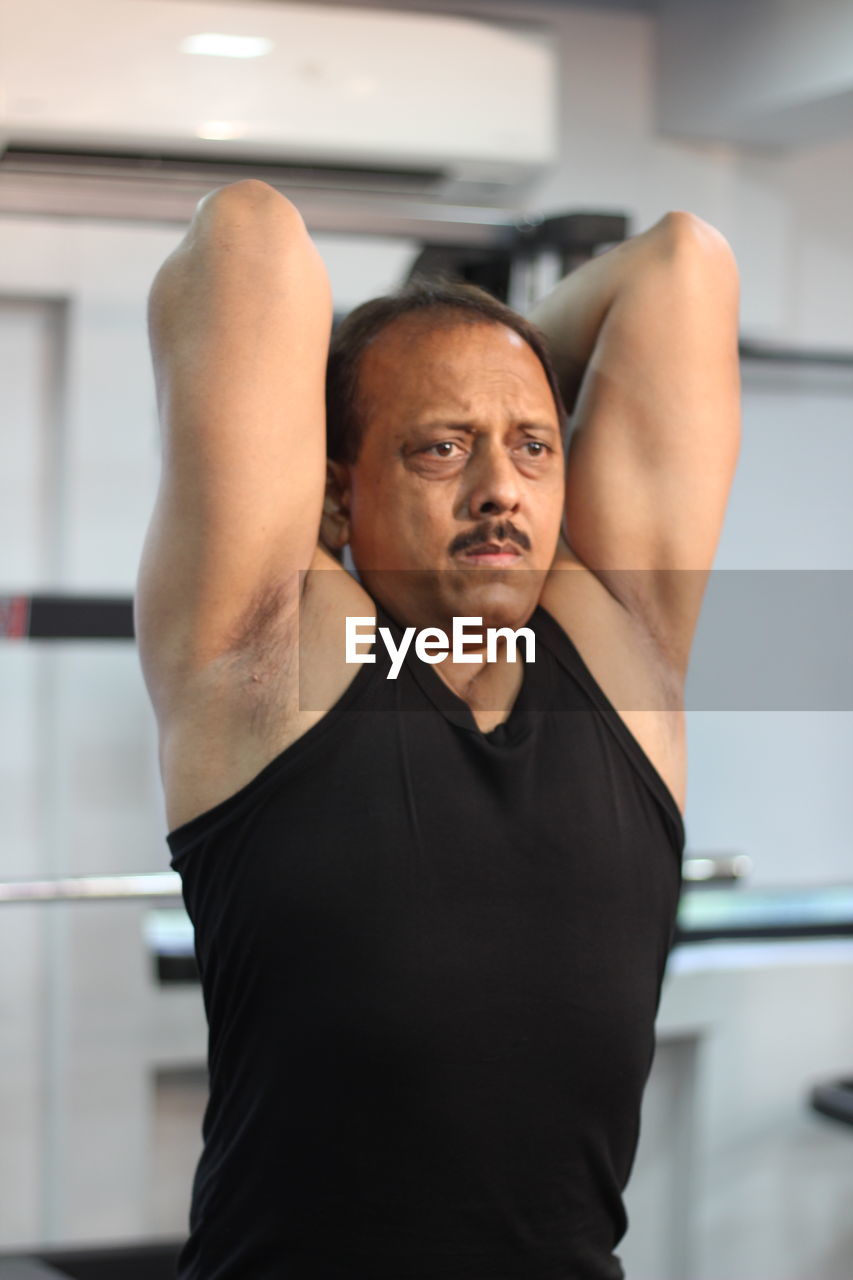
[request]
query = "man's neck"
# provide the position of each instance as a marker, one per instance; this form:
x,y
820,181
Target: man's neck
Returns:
x,y
486,686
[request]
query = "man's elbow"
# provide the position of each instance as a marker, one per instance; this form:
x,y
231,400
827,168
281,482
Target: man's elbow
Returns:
x,y
693,245
245,238
246,202
246,227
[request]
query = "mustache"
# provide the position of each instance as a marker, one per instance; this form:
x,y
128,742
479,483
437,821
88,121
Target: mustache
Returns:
x,y
505,531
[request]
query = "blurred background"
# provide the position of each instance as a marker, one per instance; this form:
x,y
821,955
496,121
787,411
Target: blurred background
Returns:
x,y
505,141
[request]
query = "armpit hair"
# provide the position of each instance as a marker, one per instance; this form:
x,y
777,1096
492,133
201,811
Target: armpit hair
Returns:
x,y
262,652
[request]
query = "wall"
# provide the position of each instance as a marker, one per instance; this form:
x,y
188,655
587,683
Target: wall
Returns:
x,y
771,784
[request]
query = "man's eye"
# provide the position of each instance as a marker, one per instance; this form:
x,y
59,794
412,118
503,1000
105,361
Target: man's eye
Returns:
x,y
443,445
539,445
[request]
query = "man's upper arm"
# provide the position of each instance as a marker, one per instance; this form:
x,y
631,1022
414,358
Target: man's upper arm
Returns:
x,y
239,320
657,433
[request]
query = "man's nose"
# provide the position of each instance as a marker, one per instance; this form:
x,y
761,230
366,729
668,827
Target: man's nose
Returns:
x,y
494,483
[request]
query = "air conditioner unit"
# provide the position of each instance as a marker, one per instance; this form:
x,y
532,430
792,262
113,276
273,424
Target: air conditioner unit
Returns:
x,y
457,108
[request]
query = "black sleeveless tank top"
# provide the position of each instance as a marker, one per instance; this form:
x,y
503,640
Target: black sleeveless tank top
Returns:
x,y
431,960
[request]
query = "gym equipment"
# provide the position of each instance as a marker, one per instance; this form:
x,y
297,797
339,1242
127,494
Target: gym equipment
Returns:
x,y
834,1100
153,1261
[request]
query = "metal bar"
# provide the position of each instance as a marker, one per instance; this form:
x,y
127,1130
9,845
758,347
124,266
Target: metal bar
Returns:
x,y
173,200
794,355
167,884
118,888
726,866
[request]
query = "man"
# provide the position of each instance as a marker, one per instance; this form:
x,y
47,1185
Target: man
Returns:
x,y
432,912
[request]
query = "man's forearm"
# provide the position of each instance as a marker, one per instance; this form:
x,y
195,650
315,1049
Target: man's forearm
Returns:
x,y
572,314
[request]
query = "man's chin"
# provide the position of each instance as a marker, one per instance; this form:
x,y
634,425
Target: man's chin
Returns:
x,y
497,595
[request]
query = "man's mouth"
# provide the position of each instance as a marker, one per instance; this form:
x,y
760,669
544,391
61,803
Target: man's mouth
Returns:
x,y
491,553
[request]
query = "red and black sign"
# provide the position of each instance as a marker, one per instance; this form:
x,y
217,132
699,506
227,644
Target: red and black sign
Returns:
x,y
55,617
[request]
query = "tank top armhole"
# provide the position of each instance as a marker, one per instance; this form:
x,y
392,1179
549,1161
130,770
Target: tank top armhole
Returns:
x,y
563,647
182,839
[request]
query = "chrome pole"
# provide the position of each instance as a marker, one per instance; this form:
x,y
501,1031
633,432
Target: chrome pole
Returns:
x,y
160,884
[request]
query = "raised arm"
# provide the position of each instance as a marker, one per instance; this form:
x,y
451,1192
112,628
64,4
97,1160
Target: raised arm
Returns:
x,y
239,317
645,345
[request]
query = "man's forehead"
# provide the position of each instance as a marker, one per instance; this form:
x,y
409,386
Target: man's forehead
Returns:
x,y
451,358
451,372
446,329
452,395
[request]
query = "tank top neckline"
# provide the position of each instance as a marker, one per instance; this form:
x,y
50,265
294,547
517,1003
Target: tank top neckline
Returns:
x,y
534,693
518,723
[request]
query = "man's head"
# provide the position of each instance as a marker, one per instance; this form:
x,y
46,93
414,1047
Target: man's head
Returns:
x,y
445,434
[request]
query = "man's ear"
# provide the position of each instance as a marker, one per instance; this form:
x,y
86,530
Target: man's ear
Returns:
x,y
334,522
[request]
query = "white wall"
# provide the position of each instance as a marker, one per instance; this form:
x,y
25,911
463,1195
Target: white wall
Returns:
x,y
772,785
757,70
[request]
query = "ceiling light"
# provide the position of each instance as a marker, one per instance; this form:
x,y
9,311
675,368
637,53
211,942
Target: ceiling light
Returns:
x,y
220,130
215,45
360,87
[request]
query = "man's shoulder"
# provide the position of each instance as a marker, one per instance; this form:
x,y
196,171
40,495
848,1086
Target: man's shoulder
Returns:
x,y
615,643
579,601
329,588
330,595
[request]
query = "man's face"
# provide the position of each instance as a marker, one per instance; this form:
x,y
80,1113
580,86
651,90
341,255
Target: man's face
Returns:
x,y
461,454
